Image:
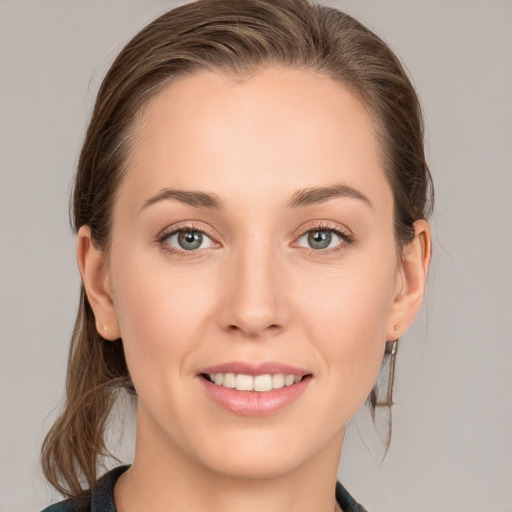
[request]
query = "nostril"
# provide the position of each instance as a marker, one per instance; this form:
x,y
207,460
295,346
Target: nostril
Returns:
x,y
269,330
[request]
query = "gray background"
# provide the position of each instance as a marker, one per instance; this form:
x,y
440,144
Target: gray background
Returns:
x,y
452,425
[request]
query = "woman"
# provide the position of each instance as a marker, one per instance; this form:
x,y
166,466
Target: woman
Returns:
x,y
250,204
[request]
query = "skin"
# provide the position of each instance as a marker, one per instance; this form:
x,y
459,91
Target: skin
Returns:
x,y
254,291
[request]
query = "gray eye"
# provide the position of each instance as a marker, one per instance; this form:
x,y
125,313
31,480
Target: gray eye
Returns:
x,y
190,240
319,239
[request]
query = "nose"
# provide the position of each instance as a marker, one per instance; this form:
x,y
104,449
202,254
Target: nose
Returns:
x,y
253,293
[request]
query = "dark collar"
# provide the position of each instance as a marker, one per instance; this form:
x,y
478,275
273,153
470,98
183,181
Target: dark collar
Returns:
x,y
345,500
103,492
101,499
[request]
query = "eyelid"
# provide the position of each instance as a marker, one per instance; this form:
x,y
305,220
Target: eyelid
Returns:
x,y
185,226
342,231
326,225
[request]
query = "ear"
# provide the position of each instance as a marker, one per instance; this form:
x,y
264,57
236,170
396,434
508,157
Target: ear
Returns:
x,y
410,283
96,278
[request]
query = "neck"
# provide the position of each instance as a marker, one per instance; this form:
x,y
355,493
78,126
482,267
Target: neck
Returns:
x,y
169,480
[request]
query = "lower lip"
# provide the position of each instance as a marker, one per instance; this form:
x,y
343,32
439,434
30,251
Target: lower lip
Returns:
x,y
254,403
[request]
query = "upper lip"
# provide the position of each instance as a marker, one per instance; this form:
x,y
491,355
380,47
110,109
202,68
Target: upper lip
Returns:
x,y
270,367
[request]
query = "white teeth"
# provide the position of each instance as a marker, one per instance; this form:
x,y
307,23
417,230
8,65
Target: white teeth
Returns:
x,y
229,380
289,380
244,382
261,383
278,381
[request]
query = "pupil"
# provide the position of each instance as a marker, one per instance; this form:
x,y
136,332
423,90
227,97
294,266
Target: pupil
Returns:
x,y
319,239
190,240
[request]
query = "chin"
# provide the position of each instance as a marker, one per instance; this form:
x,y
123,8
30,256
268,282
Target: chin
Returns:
x,y
265,453
252,466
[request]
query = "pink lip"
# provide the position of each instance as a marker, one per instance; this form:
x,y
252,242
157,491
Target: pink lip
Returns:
x,y
256,369
254,403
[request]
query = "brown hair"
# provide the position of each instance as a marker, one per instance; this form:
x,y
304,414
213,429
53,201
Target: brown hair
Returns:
x,y
237,37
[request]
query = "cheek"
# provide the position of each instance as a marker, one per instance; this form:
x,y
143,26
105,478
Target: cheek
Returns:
x,y
346,314
349,304
160,312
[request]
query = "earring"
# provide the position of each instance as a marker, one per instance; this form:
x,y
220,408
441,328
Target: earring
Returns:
x,y
392,350
104,327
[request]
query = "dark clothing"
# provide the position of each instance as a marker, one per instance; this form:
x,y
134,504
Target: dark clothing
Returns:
x,y
101,499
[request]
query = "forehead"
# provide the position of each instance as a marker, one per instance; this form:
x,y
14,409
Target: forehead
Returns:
x,y
277,131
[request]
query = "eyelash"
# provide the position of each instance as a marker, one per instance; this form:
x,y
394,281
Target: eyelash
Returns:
x,y
190,226
346,237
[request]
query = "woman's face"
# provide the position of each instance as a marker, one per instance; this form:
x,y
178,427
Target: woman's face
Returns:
x,y
252,235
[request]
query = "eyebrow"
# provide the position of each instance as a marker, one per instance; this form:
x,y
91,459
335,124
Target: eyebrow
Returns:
x,y
310,196
301,198
191,197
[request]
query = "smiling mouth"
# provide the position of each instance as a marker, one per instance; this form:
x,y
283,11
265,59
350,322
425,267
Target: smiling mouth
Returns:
x,y
259,383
